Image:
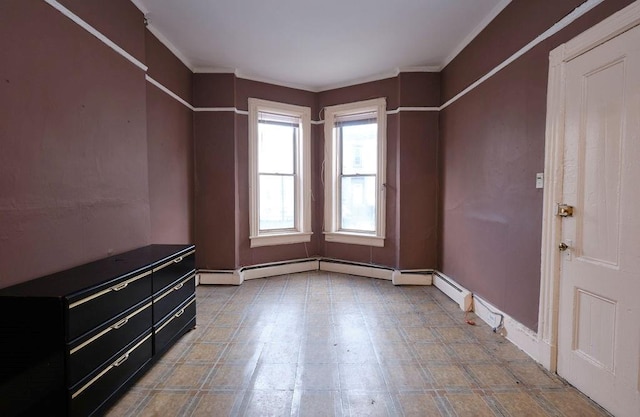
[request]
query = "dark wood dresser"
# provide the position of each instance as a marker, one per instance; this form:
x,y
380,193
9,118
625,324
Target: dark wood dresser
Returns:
x,y
72,342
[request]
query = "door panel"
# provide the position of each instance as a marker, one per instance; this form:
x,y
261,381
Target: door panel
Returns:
x,y
598,328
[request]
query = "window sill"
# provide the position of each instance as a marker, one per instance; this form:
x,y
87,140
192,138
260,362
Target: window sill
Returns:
x,y
280,239
354,239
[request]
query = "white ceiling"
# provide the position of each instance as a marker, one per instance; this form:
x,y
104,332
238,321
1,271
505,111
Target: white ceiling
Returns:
x,y
317,45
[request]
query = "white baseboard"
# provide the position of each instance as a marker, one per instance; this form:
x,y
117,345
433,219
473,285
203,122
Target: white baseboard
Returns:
x,y
453,290
226,277
412,277
356,269
514,331
270,270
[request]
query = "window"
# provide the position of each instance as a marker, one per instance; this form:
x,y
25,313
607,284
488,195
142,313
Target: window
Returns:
x,y
355,161
279,173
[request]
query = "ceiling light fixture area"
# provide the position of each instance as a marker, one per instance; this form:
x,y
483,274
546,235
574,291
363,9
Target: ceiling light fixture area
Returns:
x,y
317,46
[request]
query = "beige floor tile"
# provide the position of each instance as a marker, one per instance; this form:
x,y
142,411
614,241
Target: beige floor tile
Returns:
x,y
269,403
572,404
332,344
533,375
449,376
366,377
185,376
407,377
389,352
281,352
492,375
322,376
229,377
470,352
127,405
469,405
520,404
318,404
217,334
420,334
204,353
165,403
319,352
454,334
418,405
275,376
242,353
219,404
430,352
370,404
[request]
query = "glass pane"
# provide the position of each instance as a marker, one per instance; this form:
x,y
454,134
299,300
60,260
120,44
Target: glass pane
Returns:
x,y
276,148
358,204
359,149
277,202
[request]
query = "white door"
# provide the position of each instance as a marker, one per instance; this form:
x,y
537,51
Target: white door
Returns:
x,y
599,313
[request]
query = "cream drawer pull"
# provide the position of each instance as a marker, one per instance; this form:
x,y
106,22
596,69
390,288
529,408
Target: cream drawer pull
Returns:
x,y
121,360
179,313
119,287
178,259
120,323
177,287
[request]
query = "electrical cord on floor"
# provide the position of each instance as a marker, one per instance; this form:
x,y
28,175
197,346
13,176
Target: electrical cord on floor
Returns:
x,y
500,325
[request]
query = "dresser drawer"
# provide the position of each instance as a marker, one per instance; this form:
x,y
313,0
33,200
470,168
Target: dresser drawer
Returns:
x,y
89,395
168,272
176,323
93,310
166,301
95,348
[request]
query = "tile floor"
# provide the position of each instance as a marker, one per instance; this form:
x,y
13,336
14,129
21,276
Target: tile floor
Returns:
x,y
325,344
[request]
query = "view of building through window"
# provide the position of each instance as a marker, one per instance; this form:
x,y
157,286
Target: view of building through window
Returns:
x,y
358,165
277,171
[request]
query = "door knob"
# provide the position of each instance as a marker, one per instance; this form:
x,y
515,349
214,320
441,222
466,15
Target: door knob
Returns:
x,y
563,246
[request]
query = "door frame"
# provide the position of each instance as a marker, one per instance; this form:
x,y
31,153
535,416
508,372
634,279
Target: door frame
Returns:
x,y
609,28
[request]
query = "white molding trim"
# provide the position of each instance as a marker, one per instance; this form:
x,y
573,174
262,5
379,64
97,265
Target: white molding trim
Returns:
x,y
220,277
354,268
237,277
514,331
475,32
222,109
566,21
76,19
423,68
614,25
413,277
408,109
453,290
170,46
169,92
270,270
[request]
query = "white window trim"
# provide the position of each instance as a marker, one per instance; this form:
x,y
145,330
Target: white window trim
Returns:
x,y
331,198
302,232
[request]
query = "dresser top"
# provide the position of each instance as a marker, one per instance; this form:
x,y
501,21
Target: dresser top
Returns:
x,y
96,273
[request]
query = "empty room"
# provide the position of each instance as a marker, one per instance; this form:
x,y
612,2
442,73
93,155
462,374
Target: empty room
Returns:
x,y
339,208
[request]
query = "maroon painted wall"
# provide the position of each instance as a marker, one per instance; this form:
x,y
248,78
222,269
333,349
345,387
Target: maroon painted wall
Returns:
x,y
170,146
491,147
73,152
93,159
215,195
412,174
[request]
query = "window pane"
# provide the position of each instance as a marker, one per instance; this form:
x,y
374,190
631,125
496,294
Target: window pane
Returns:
x,y
276,147
277,202
359,148
358,203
